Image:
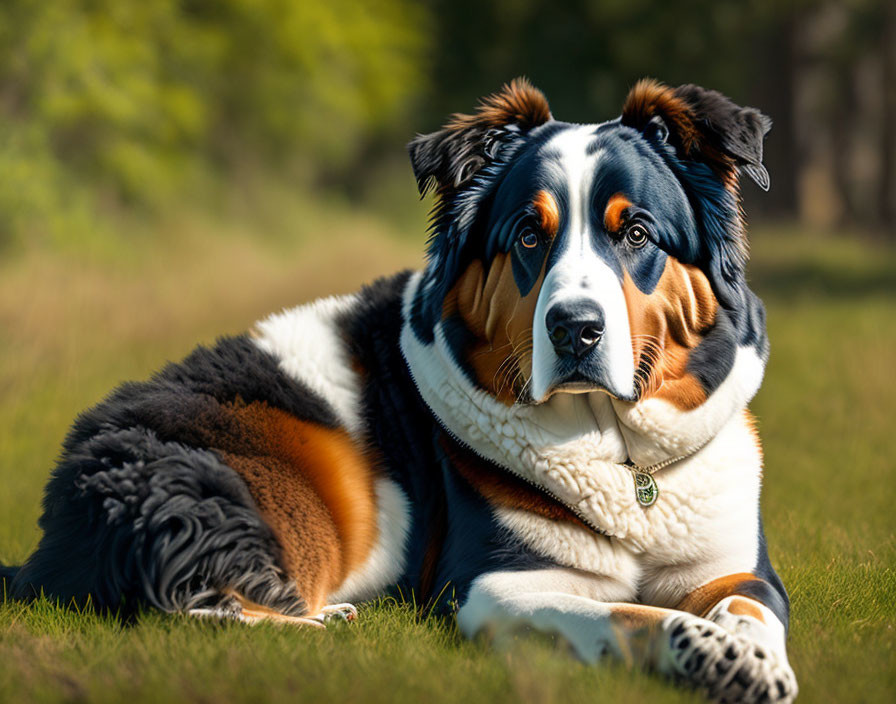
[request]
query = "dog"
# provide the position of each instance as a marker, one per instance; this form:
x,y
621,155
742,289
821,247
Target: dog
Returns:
x,y
546,428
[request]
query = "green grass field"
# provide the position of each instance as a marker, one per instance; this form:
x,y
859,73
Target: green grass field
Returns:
x,y
72,325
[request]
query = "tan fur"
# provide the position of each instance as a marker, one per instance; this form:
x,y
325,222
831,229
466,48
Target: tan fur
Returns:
x,y
701,600
501,488
311,551
648,98
251,612
312,485
517,102
615,210
632,616
491,308
753,427
746,607
636,628
500,319
548,212
665,326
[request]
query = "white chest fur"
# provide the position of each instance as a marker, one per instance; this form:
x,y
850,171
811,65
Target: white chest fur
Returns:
x,y
573,446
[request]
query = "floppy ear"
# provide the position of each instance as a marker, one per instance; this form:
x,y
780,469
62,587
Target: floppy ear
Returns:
x,y
714,140
450,158
702,125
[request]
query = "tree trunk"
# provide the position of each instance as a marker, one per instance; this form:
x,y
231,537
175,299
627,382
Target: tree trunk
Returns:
x,y
842,123
886,199
777,67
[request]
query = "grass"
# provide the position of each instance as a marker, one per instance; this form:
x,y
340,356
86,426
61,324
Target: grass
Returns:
x,y
73,324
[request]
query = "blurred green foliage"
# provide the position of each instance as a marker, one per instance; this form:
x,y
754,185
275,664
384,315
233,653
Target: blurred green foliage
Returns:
x,y
144,106
120,102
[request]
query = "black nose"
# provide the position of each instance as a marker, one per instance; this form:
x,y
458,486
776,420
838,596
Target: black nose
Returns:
x,y
575,326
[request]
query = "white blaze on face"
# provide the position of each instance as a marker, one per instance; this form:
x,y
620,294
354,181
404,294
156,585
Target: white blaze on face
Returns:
x,y
581,275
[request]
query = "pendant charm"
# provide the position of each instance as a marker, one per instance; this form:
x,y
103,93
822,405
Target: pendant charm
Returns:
x,y
646,490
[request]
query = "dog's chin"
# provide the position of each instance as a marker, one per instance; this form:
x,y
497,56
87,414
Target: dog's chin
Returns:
x,y
579,382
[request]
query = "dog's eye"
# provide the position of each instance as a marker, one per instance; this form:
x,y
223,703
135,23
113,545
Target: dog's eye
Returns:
x,y
636,235
529,238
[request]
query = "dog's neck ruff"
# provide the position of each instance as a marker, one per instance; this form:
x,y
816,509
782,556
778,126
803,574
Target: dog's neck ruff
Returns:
x,y
574,446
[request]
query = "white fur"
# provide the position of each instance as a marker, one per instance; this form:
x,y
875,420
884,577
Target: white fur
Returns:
x,y
306,342
386,561
579,609
308,346
769,632
655,429
581,274
559,601
570,544
704,525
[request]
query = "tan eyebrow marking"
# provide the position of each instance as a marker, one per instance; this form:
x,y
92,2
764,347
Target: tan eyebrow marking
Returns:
x,y
548,212
616,206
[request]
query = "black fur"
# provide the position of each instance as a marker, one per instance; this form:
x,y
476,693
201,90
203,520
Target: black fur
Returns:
x,y
233,369
138,511
737,131
711,361
137,520
409,439
775,596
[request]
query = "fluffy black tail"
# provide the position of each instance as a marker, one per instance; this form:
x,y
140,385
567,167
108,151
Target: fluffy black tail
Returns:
x,y
132,519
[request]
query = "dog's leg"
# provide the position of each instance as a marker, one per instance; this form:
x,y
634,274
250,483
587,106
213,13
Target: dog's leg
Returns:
x,y
580,610
725,665
237,608
252,615
749,615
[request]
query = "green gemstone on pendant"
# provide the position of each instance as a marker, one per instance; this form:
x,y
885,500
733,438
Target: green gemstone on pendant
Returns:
x,y
646,490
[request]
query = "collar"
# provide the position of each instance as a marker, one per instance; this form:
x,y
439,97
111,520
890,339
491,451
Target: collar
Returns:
x,y
575,446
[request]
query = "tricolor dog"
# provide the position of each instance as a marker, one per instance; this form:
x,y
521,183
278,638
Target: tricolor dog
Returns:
x,y
546,428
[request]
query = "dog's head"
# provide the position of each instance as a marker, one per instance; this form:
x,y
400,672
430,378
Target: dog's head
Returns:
x,y
573,258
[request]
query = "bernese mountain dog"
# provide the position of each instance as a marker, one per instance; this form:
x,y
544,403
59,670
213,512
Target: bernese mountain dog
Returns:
x,y
546,428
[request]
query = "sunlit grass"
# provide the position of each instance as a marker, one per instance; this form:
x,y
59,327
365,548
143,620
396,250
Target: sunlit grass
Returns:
x,y
72,325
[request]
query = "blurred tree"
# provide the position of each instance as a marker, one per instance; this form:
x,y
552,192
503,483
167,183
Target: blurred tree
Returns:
x,y
886,193
770,79
133,102
132,98
585,54
848,94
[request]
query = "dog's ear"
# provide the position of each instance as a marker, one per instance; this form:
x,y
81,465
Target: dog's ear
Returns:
x,y
450,158
702,125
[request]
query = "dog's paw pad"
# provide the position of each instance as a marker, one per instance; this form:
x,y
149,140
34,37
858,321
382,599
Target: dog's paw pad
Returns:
x,y
726,667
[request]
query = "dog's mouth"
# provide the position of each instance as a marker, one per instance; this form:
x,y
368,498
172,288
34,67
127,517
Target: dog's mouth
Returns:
x,y
577,383
579,380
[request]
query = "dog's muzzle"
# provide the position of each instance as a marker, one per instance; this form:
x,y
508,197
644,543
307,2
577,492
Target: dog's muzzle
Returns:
x,y
575,327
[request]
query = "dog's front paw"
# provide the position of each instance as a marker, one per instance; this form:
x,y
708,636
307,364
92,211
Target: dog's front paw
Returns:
x,y
725,666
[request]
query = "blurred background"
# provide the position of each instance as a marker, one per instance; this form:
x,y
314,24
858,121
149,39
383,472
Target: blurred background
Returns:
x,y
144,108
172,170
